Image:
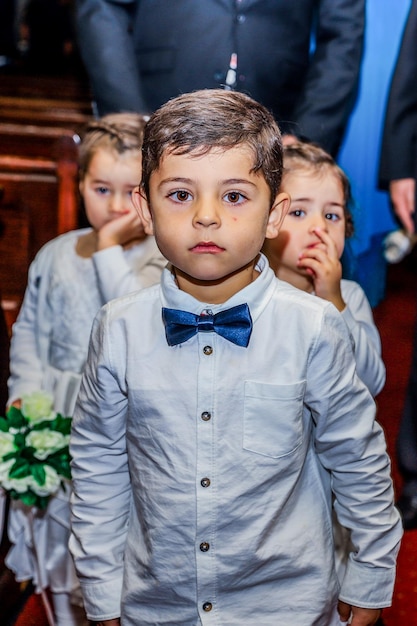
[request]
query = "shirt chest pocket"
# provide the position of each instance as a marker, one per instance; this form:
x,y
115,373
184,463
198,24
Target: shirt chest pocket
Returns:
x,y
273,418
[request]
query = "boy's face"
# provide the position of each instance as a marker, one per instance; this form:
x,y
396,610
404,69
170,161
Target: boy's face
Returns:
x,y
317,206
107,186
210,215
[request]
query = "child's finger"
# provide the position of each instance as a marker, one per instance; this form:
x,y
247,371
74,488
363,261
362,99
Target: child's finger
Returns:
x,y
327,240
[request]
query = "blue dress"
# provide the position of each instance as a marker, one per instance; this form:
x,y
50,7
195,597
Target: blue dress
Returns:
x,y
359,154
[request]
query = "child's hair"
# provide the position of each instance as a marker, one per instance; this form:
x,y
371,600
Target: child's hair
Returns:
x,y
202,120
309,156
118,132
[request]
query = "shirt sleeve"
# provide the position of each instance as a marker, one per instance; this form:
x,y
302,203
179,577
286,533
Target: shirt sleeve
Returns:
x,y
100,476
398,151
107,48
120,273
333,74
26,368
366,340
350,445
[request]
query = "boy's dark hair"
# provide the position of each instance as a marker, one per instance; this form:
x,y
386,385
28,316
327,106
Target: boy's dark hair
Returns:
x,y
213,118
118,132
303,155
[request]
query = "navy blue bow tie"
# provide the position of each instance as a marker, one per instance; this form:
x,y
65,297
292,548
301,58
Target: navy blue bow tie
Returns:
x,y
234,324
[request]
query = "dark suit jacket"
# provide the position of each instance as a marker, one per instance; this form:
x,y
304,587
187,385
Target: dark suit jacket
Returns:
x,y
139,53
399,149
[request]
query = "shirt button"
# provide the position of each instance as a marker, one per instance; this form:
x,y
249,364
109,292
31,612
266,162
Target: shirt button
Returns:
x,y
205,482
204,547
206,416
208,350
241,18
207,606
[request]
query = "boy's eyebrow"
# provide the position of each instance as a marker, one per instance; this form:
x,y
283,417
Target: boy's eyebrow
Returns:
x,y
189,181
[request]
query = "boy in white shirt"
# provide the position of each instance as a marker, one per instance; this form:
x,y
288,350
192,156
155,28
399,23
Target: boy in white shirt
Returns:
x,y
220,410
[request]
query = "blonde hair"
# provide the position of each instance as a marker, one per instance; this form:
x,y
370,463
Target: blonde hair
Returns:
x,y
118,132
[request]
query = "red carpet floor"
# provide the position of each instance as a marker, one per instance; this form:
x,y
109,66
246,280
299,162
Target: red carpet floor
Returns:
x,y
395,319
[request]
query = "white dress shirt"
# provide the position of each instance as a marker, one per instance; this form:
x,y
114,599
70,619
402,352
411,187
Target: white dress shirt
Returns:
x,y
203,472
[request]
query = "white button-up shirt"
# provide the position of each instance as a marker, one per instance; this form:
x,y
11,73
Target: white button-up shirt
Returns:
x,y
203,472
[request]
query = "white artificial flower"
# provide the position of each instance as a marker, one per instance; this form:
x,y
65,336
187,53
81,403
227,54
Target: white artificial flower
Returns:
x,y
6,444
38,406
52,483
5,467
18,484
21,485
46,442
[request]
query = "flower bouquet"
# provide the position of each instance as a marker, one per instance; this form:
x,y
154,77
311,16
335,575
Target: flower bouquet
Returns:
x,y
34,452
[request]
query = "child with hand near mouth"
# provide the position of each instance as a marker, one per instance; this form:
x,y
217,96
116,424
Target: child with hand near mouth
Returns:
x,y
309,246
71,277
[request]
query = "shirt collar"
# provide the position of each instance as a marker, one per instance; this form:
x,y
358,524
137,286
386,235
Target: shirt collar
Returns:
x,y
256,295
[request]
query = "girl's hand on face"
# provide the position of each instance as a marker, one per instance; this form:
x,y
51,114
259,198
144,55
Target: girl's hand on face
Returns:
x,y
322,263
123,230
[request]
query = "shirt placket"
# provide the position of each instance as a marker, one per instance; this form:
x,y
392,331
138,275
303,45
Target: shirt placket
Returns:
x,y
205,547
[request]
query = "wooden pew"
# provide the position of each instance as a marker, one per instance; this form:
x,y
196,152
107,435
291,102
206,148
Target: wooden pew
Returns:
x,y
41,118
72,90
43,112
38,201
30,140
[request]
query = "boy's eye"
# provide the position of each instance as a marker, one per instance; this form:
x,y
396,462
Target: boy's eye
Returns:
x,y
234,197
181,195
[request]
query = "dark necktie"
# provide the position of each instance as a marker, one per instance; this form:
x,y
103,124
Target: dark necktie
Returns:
x,y
234,324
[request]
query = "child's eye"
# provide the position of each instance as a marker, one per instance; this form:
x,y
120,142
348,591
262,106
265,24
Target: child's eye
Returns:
x,y
102,190
297,212
333,217
181,195
235,197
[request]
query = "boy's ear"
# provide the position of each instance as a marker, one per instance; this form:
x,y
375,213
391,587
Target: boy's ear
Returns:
x,y
276,216
141,205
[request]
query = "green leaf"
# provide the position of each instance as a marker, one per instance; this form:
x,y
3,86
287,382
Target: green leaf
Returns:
x,y
20,440
10,455
4,425
29,498
38,472
60,461
16,418
59,424
20,469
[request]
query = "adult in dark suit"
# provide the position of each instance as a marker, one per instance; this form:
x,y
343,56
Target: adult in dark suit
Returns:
x,y
139,53
398,173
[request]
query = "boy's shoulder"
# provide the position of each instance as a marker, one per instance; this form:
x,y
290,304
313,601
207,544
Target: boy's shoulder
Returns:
x,y
136,301
298,298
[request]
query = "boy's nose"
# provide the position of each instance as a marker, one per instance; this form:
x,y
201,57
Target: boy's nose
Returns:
x,y
207,214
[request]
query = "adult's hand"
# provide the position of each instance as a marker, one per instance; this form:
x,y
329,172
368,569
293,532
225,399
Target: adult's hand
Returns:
x,y
402,192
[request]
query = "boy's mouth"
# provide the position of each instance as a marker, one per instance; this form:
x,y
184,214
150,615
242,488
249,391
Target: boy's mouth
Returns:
x,y
207,247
